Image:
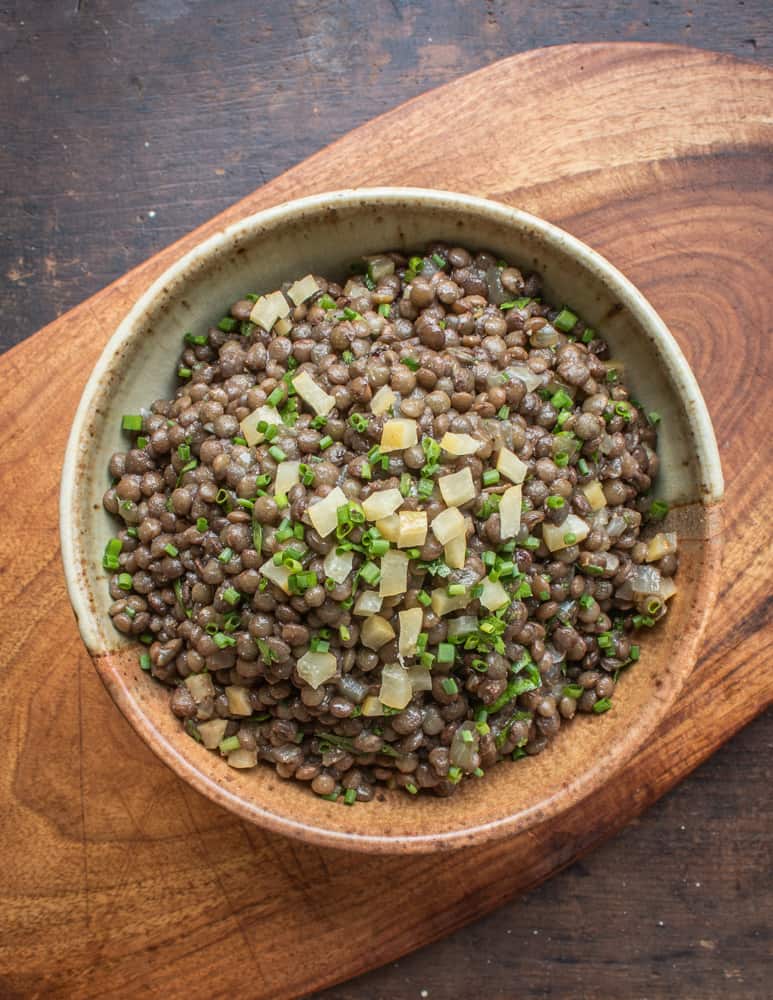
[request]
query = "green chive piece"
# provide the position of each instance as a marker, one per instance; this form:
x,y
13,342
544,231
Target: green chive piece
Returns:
x,y
132,422
350,796
410,363
423,598
229,743
276,396
125,581
491,477
145,661
231,596
327,303
227,324
446,654
565,320
226,555
171,550
602,705
572,691
325,442
658,510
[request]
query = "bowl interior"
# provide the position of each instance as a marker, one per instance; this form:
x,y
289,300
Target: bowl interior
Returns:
x,y
325,234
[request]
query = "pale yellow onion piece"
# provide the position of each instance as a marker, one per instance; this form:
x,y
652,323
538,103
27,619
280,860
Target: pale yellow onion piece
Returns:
x,y
249,426
200,686
494,595
380,267
455,552
398,434
396,688
389,528
302,289
410,626
265,312
283,326
376,632
313,394
444,604
421,679
316,668
238,700
382,401
667,588
338,565
287,475
661,545
413,529
278,575
368,603
594,494
510,512
394,574
511,466
448,524
554,535
323,515
212,732
381,504
458,488
459,444
372,707
243,758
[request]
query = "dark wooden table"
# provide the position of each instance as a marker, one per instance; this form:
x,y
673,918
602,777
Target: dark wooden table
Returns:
x,y
124,125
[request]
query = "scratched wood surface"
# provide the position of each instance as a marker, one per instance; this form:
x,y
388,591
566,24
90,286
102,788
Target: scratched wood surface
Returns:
x,y
121,881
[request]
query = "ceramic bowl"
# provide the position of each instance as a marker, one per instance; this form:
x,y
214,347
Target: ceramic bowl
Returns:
x,y
323,234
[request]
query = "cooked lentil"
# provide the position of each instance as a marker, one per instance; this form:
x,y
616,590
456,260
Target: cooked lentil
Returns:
x,y
481,568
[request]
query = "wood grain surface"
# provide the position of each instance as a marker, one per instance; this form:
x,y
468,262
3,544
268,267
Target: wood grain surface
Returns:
x,y
121,881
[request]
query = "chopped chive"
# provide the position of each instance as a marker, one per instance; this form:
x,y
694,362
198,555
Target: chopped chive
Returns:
x,y
582,467
456,589
410,363
227,324
446,654
383,310
570,538
658,510
423,598
276,396
561,400
325,442
425,488
572,691
347,357
503,412
588,334
561,459
222,640
491,477
405,484
565,320
226,555
196,339
231,596
125,581
370,573
132,422
350,796
635,652
276,453
602,705
654,418
171,550
586,601
350,313
145,661
555,502
467,736
411,788
359,422
228,744
327,303
183,372
454,775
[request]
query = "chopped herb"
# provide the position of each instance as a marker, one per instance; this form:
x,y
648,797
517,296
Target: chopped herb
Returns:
x,y
227,324
325,442
602,705
491,477
226,555
132,422
145,661
410,363
231,596
658,510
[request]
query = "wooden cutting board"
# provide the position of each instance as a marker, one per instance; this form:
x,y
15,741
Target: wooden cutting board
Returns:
x,y
118,880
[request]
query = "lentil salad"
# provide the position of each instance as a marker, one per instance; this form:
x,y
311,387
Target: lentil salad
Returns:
x,y
390,530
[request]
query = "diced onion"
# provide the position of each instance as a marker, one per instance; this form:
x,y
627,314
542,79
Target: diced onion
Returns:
x,y
380,267
243,758
529,378
316,668
413,528
368,603
645,580
410,627
396,687
448,524
249,426
376,632
421,679
455,552
381,504
398,434
594,494
313,394
494,595
458,488
510,512
556,535
662,544
323,515
459,444
463,625
200,686
667,588
389,528
511,466
464,752
238,700
302,289
212,732
394,574
278,575
546,336
372,707
283,326
444,604
382,401
338,565
268,309
287,475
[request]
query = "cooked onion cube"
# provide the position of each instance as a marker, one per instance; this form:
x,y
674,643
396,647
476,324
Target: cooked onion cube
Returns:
x,y
249,426
510,512
398,434
380,267
376,632
462,625
312,394
287,475
324,515
661,545
594,494
212,732
279,575
368,603
667,588
421,679
511,466
413,529
494,595
238,700
444,604
372,707
459,444
200,686
561,536
302,289
382,401
268,309
458,488
448,524
389,527
283,326
381,504
338,565
316,668
396,687
243,758
455,552
394,574
410,627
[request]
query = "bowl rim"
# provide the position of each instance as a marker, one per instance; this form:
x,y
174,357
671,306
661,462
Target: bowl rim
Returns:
x,y
74,557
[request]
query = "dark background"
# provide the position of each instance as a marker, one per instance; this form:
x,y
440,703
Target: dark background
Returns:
x,y
125,124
